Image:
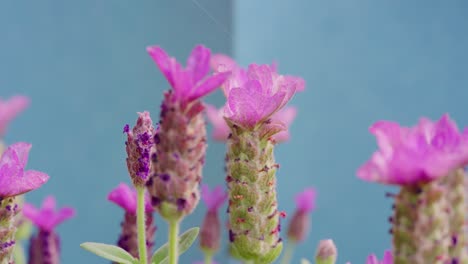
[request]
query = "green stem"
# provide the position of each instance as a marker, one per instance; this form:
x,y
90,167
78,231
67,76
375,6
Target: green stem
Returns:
x,y
208,258
141,226
288,253
173,243
18,254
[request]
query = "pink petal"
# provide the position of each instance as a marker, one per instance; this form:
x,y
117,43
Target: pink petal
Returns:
x,y
199,62
220,128
388,257
124,197
213,199
47,218
208,85
372,259
49,203
298,82
21,150
263,74
10,108
222,63
305,201
163,61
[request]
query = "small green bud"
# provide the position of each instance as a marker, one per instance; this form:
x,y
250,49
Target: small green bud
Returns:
x,y
326,252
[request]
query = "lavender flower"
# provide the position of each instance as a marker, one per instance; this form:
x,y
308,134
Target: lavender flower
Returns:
x,y
426,161
140,147
210,233
45,245
14,180
9,109
253,214
181,138
305,203
126,198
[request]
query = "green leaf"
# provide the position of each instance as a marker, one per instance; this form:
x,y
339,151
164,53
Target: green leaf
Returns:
x,y
110,252
160,256
305,261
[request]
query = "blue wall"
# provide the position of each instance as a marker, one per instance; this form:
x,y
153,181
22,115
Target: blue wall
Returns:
x,y
85,66
363,61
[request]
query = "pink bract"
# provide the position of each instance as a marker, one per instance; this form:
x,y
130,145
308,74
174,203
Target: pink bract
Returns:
x,y
9,109
126,198
215,198
14,179
305,201
417,154
189,83
47,217
387,259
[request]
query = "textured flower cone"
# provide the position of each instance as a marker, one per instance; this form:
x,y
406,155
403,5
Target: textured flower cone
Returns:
x,y
179,158
253,215
421,225
210,233
8,213
128,239
456,195
44,248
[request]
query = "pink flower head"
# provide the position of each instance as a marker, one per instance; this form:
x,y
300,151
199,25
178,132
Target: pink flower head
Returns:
x,y
305,201
126,197
387,259
410,155
9,109
215,198
189,83
223,63
221,129
47,218
14,180
262,95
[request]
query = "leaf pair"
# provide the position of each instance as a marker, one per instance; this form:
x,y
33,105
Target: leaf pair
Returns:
x,y
160,256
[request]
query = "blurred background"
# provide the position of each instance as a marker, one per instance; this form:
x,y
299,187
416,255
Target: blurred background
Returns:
x,y
84,65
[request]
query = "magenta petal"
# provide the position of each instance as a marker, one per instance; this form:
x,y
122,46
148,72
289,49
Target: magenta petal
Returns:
x,y
209,84
220,127
372,259
10,108
305,201
199,62
163,61
388,257
242,108
21,150
222,63
124,197
213,199
47,218
263,74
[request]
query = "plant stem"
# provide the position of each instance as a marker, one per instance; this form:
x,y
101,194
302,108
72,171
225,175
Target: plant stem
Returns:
x,y
141,226
173,241
18,254
208,257
288,253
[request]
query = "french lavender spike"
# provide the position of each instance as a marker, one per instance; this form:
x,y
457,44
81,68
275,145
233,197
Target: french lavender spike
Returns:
x,y
126,198
251,167
44,247
326,252
14,181
140,147
210,233
421,160
181,136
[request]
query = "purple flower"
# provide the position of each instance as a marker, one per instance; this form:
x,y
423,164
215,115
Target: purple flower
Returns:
x,y
140,146
418,154
213,199
387,259
9,109
221,130
47,217
305,201
189,83
126,197
14,180
262,94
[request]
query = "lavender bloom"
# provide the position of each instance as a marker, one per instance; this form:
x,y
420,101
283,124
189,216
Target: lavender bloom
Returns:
x,y
126,198
181,138
9,109
14,180
210,233
426,161
45,245
305,203
140,147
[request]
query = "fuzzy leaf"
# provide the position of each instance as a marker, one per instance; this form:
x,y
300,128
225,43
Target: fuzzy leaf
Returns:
x,y
160,256
110,252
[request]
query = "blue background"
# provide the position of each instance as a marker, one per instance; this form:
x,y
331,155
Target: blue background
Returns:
x,y
85,67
